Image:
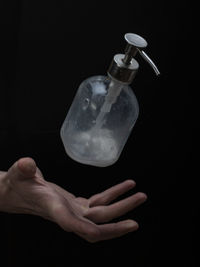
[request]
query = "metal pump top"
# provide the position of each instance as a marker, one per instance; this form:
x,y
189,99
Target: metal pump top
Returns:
x,y
123,66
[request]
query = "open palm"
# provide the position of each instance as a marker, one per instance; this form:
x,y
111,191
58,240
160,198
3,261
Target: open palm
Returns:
x,y
26,191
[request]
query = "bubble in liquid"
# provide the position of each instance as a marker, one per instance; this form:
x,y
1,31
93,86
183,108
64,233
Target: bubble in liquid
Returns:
x,y
86,103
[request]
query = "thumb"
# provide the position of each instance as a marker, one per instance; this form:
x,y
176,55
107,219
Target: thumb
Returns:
x,y
22,169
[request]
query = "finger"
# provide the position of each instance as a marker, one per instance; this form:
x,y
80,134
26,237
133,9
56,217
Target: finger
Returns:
x,y
113,230
22,169
90,231
110,194
110,231
38,171
101,214
27,166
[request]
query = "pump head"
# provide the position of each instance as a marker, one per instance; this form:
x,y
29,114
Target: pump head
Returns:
x,y
123,66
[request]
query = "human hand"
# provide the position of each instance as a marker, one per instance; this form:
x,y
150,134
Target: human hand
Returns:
x,y
24,190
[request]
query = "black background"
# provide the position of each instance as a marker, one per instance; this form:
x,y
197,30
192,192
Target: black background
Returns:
x,y
47,49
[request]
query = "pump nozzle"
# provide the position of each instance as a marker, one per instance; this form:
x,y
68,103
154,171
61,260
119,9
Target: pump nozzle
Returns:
x,y
124,67
135,43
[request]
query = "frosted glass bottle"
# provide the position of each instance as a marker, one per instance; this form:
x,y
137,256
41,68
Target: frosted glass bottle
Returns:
x,y
97,125
105,110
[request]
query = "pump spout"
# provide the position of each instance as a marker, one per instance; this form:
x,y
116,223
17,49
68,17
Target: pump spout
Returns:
x,y
151,63
136,43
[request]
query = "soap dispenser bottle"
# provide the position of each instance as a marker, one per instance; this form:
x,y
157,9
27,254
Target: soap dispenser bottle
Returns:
x,y
105,110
